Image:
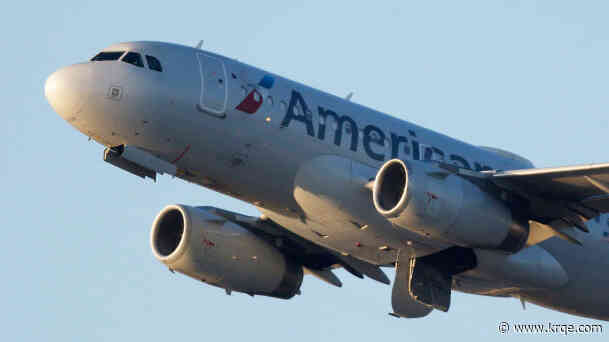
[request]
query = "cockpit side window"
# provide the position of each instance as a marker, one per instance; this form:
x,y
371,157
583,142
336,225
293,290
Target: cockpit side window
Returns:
x,y
133,58
108,56
154,63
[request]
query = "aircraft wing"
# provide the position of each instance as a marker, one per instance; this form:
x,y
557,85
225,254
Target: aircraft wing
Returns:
x,y
559,197
316,260
582,188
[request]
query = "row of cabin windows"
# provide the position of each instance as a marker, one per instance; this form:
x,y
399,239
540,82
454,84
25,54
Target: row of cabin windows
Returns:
x,y
130,57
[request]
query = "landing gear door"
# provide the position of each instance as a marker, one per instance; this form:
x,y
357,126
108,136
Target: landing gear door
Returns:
x,y
402,301
214,90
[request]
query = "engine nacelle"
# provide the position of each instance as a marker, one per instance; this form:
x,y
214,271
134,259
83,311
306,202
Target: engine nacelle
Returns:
x,y
420,197
210,248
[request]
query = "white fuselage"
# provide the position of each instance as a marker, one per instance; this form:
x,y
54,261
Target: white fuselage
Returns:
x,y
303,157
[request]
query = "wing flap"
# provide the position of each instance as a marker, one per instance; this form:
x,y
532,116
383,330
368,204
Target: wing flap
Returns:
x,y
582,189
326,275
599,203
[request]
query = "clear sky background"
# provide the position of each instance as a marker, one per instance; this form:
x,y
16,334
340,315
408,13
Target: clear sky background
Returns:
x,y
527,76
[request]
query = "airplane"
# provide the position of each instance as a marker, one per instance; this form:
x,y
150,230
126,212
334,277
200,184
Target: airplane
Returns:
x,y
338,185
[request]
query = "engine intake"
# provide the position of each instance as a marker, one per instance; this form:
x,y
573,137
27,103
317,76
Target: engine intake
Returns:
x,y
198,243
425,199
169,232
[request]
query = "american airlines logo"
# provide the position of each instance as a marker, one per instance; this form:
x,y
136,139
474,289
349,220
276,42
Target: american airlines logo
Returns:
x,y
374,138
254,99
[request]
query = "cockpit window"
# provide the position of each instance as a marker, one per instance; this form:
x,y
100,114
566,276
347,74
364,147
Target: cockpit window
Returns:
x,y
154,63
133,58
108,56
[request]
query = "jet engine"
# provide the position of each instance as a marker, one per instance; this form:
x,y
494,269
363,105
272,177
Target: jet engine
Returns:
x,y
202,245
423,198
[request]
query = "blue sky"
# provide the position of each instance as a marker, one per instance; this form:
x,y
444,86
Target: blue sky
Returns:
x,y
527,76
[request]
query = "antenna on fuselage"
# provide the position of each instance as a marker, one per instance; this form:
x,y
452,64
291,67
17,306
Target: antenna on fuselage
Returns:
x,y
349,96
199,44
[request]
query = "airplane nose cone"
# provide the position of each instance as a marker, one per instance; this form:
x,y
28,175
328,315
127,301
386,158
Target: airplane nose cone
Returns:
x,y
65,90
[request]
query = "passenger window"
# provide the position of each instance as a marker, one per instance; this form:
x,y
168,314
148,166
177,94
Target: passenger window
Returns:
x,y
133,58
107,56
154,63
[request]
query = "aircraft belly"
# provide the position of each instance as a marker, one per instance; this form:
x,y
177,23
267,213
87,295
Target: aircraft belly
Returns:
x,y
486,287
582,295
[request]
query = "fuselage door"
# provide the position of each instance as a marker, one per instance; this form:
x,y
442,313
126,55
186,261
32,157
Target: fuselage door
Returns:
x,y
214,90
